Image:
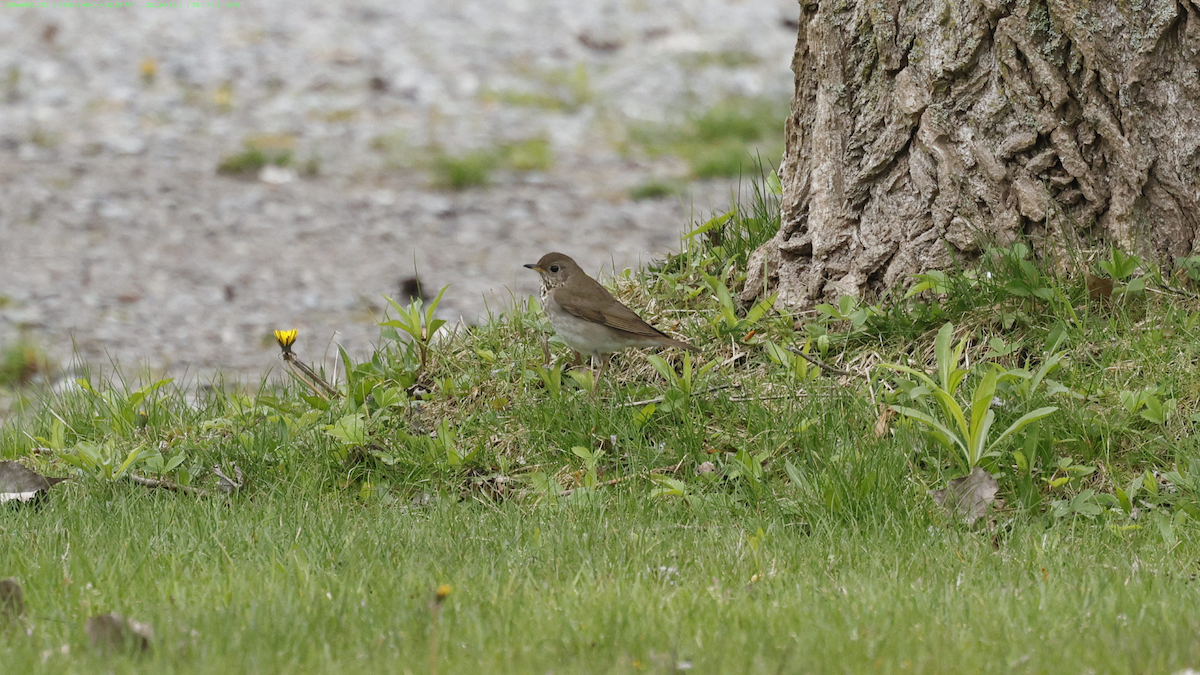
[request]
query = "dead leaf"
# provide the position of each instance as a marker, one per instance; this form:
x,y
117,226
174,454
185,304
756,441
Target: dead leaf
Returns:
x,y
21,484
705,467
885,418
1099,288
113,632
12,604
968,496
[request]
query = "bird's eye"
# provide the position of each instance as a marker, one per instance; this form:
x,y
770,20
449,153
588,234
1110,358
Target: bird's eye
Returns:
x,y
554,268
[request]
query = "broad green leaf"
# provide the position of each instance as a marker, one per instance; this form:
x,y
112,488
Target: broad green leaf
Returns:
x,y
932,281
642,416
760,308
941,350
1042,372
130,459
1150,483
926,419
395,305
1021,461
911,371
712,223
980,438
1023,421
954,412
350,429
429,320
348,367
794,474
586,379
981,401
828,310
668,487
1124,501
774,184
174,462
664,369
777,354
1017,288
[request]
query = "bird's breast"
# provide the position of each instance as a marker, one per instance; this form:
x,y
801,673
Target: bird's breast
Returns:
x,y
589,337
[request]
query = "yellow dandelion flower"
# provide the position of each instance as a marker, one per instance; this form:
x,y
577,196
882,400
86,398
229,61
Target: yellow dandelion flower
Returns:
x,y
443,591
286,338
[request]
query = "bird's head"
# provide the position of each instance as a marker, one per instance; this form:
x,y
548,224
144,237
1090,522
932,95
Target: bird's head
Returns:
x,y
555,268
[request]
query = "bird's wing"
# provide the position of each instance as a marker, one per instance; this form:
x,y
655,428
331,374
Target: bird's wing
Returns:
x,y
608,311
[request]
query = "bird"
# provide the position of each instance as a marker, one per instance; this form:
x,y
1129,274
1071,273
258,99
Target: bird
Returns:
x,y
588,318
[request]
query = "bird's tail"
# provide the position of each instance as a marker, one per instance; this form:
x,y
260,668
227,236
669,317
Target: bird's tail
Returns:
x,y
672,342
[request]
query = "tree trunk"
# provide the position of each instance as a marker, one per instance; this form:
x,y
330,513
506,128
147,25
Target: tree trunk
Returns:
x,y
923,130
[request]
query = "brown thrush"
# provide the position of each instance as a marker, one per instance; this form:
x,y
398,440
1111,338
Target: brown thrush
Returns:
x,y
588,318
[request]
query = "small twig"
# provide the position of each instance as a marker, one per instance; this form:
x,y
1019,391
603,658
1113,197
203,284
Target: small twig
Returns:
x,y
1177,291
164,484
743,399
526,469
659,399
825,366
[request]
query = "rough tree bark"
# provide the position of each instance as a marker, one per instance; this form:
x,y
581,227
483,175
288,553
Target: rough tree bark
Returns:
x,y
924,129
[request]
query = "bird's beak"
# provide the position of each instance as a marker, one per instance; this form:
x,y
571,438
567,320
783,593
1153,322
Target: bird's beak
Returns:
x,y
535,268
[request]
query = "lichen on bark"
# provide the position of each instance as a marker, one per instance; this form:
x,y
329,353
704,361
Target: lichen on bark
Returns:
x,y
922,130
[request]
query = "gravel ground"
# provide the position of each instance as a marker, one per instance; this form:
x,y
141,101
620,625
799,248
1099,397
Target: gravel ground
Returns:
x,y
118,235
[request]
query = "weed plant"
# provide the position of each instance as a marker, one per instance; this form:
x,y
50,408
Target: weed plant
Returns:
x,y
257,152
723,141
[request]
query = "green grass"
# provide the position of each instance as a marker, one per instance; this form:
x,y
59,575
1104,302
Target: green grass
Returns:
x,y
655,189
259,151
475,169
811,546
557,90
534,154
298,580
460,172
729,58
20,361
723,141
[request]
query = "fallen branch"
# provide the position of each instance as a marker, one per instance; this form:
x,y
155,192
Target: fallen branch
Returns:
x,y
164,484
743,399
1177,291
825,366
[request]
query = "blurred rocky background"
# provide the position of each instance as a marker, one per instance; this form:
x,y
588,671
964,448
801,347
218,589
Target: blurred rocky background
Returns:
x,y
177,182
